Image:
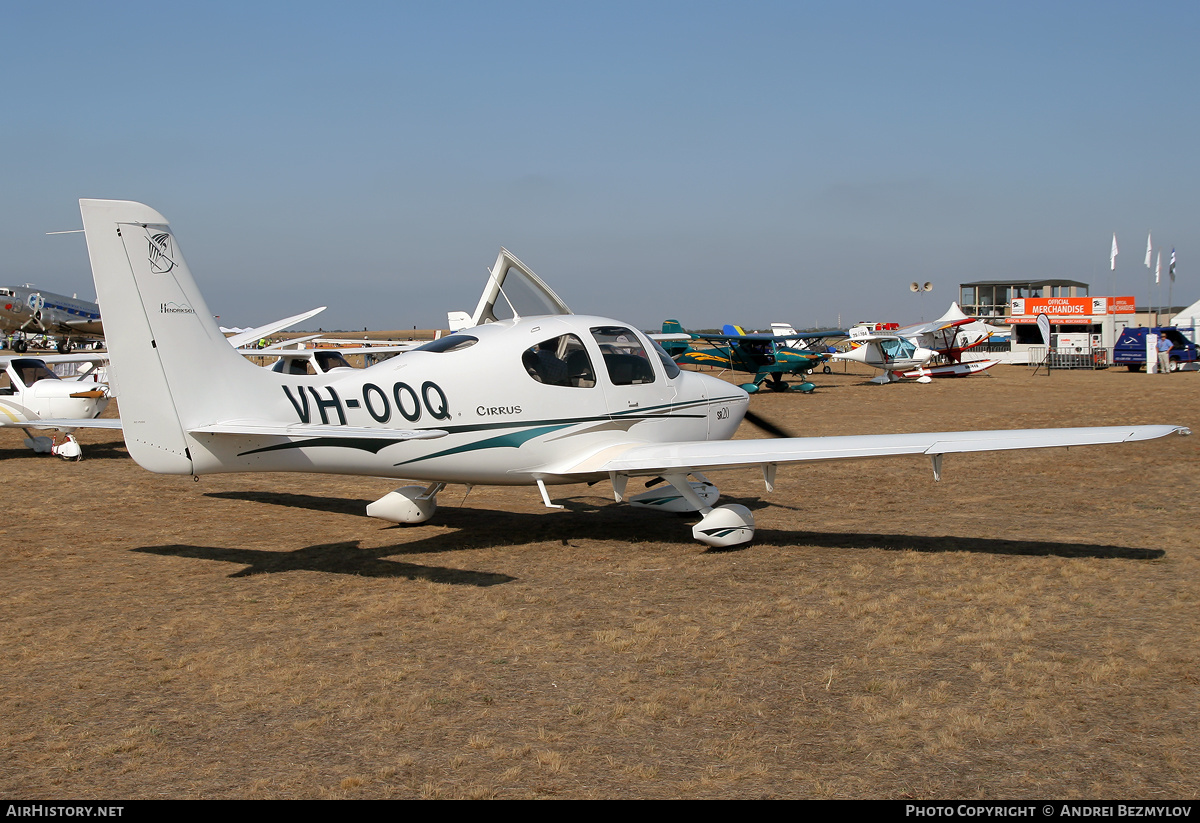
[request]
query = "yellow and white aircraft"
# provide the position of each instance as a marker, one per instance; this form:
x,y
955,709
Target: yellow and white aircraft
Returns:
x,y
539,400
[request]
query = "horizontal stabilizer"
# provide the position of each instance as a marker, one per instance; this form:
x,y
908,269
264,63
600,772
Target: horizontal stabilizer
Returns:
x,y
65,425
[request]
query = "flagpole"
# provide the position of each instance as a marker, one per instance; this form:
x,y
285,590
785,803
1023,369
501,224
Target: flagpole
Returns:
x,y
1158,282
1171,285
1149,286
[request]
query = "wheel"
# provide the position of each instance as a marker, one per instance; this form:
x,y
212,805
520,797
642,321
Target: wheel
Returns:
x,y
826,370
64,347
20,346
1175,365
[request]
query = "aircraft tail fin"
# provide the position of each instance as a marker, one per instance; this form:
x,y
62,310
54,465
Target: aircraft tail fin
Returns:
x,y
731,329
459,320
672,327
174,369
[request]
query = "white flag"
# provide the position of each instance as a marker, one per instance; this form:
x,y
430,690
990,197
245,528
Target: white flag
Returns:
x,y
1172,269
1158,269
1147,249
1112,257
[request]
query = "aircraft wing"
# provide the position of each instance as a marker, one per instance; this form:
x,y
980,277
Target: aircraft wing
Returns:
x,y
659,458
93,327
51,359
304,354
248,427
955,316
731,338
259,332
876,335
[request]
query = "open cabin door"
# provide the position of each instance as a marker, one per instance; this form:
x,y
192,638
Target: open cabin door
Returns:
x,y
512,290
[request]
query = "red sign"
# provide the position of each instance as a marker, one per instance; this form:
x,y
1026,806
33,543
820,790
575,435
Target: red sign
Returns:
x,y
1068,308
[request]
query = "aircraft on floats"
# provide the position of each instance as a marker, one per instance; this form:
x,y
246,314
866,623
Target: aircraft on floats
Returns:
x,y
531,398
28,310
907,352
33,397
767,356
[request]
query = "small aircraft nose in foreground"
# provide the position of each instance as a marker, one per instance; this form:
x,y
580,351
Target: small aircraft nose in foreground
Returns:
x,y
527,393
32,396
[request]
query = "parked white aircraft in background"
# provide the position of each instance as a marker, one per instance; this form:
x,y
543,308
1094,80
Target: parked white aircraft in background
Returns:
x,y
533,400
32,397
887,351
29,310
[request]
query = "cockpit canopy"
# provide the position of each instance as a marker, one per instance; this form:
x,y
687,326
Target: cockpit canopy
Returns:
x,y
512,290
30,371
900,347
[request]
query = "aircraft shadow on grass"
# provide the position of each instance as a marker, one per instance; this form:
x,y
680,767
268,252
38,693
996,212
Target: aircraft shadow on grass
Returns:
x,y
479,528
333,558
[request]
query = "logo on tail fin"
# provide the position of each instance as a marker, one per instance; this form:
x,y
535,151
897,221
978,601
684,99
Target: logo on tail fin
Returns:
x,y
161,252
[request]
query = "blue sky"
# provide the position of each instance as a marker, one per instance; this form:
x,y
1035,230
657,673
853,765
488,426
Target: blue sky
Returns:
x,y
715,162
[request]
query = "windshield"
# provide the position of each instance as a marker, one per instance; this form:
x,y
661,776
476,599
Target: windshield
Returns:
x,y
31,371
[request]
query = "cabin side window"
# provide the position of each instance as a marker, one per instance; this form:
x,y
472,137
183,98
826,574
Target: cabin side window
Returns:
x,y
560,361
624,357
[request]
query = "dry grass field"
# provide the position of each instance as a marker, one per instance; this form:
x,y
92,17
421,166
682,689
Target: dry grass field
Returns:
x,y
1027,628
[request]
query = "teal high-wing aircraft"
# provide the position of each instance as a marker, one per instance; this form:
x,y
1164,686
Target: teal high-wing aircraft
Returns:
x,y
767,356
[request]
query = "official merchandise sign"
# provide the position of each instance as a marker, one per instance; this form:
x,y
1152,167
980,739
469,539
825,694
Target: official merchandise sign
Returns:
x,y
1066,309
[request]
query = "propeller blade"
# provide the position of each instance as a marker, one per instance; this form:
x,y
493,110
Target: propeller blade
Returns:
x,y
766,425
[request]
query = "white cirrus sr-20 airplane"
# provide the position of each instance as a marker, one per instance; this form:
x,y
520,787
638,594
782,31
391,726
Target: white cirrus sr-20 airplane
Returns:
x,y
518,399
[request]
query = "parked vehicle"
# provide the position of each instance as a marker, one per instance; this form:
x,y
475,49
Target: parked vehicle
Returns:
x,y
1130,350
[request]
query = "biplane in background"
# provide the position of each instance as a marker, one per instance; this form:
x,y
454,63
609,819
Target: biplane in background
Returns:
x,y
769,357
910,351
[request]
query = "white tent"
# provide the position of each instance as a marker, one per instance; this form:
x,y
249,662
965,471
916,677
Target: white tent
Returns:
x,y
1188,319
